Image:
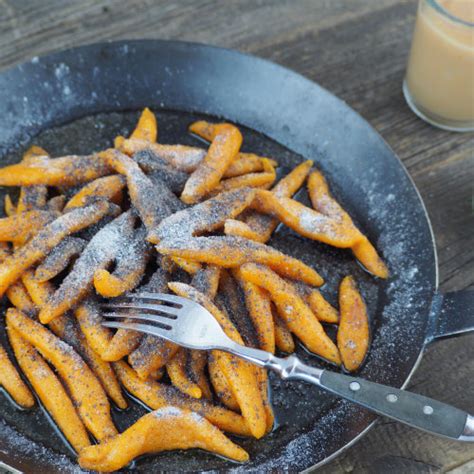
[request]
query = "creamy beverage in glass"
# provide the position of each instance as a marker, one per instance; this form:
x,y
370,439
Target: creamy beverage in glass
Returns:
x,y
439,83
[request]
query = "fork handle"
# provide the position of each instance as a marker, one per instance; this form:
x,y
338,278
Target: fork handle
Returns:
x,y
407,407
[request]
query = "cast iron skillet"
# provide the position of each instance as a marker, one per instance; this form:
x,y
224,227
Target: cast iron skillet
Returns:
x,y
290,118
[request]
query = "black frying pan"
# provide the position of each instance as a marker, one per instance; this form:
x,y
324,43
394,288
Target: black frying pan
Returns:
x,y
286,116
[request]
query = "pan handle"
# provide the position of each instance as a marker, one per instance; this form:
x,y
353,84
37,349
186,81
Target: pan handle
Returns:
x,y
451,314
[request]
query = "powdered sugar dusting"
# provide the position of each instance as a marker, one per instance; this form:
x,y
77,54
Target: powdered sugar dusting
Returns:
x,y
350,344
168,412
41,371
102,249
197,417
311,221
61,71
23,447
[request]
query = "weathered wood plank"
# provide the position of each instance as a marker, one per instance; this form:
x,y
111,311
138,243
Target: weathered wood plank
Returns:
x,y
357,50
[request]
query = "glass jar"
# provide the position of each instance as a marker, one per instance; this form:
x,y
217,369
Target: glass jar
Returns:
x,y
439,82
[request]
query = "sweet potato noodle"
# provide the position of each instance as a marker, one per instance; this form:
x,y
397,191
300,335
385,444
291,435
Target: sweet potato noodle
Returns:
x,y
147,216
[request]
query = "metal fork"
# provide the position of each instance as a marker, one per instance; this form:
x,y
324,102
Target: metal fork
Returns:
x,y
188,324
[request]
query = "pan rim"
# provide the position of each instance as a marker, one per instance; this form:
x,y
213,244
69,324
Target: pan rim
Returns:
x,y
348,108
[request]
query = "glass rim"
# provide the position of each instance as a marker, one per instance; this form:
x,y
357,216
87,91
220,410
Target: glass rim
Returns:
x,y
440,9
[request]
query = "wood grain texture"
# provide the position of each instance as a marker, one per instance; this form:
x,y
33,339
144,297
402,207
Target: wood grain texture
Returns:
x,y
357,50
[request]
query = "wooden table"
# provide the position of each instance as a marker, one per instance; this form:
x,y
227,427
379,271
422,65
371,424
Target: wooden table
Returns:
x,y
357,49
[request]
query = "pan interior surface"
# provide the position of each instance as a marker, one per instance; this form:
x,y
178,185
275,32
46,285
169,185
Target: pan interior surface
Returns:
x,y
364,176
299,407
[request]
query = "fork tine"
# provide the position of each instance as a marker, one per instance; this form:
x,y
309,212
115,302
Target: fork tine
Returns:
x,y
142,306
160,297
154,318
153,330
